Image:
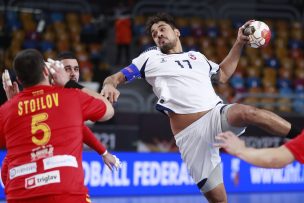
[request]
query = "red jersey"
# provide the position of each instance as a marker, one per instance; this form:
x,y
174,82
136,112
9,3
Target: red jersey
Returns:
x,y
88,138
42,128
296,146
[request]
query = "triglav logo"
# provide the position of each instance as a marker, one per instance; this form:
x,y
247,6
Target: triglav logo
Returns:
x,y
42,179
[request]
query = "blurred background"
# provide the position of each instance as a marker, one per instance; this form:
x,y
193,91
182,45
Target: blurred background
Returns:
x,y
106,35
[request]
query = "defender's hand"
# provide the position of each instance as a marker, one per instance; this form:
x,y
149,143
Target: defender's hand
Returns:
x,y
111,161
110,92
59,75
11,89
230,142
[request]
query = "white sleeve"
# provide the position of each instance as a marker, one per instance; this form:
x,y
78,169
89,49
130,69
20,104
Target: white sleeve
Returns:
x,y
214,67
141,60
136,69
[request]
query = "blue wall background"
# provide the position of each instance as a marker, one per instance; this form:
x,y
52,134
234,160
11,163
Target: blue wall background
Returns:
x,y
165,173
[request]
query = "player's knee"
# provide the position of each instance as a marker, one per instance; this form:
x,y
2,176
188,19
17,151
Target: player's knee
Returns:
x,y
214,189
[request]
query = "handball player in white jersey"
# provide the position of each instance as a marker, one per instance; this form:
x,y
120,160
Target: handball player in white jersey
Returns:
x,y
182,82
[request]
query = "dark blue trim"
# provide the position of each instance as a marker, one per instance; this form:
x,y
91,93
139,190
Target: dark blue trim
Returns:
x,y
142,70
201,183
163,109
222,108
209,65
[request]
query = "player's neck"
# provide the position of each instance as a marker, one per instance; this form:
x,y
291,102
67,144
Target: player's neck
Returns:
x,y
177,49
44,82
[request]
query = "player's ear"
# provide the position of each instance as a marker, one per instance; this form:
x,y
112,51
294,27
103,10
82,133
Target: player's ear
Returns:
x,y
177,32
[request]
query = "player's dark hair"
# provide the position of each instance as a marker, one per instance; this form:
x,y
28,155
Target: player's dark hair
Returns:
x,y
29,65
66,55
160,17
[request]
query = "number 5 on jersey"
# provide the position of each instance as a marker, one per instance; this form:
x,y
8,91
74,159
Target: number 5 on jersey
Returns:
x,y
37,124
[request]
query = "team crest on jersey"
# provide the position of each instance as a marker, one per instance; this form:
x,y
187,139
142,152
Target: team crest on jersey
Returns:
x,y
192,56
42,152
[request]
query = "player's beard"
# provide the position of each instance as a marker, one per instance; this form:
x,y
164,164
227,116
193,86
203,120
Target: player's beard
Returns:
x,y
165,48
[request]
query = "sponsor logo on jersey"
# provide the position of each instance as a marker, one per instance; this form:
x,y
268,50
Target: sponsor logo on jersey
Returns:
x,y
22,170
163,60
42,179
192,56
42,152
60,161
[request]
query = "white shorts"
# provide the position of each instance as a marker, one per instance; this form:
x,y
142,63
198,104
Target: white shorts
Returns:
x,y
195,144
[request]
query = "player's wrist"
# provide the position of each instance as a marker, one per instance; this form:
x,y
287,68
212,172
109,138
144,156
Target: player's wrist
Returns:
x,y
105,153
73,84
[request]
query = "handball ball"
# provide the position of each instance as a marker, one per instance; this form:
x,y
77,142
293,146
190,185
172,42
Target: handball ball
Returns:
x,y
259,34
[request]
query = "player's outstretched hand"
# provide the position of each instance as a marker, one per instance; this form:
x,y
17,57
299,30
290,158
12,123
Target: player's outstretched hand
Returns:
x,y
111,161
59,75
242,38
110,92
11,89
230,142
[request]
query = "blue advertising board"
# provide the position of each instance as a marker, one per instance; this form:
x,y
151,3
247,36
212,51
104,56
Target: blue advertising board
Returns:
x,y
166,174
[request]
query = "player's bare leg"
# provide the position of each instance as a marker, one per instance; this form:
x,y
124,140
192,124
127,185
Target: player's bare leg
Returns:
x,y
240,115
217,195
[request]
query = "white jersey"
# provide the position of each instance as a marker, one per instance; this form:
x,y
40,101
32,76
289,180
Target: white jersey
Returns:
x,y
182,82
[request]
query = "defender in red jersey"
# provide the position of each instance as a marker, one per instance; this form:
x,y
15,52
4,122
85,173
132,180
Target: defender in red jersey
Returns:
x,y
267,157
71,67
41,128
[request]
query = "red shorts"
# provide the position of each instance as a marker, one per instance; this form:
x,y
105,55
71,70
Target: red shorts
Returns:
x,y
55,198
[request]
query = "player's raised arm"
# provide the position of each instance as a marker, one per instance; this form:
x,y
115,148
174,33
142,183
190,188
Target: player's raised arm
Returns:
x,y
229,64
10,88
110,84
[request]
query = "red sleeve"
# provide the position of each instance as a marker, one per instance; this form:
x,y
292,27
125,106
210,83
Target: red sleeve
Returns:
x,y
2,137
296,147
4,170
92,109
90,140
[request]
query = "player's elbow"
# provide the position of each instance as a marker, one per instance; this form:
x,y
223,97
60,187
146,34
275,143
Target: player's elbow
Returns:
x,y
108,114
274,162
223,77
223,80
